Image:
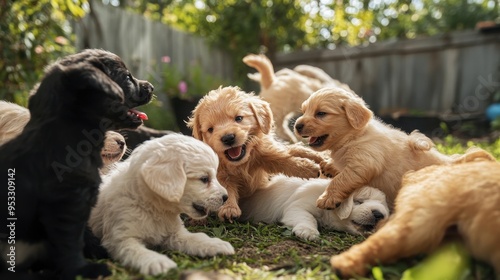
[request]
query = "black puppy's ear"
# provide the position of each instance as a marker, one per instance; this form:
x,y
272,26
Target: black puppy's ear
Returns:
x,y
89,80
64,86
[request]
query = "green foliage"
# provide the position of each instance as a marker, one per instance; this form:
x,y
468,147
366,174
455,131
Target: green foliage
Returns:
x,y
33,34
452,145
194,84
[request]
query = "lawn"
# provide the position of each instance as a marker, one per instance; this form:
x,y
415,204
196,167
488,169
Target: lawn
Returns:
x,y
272,252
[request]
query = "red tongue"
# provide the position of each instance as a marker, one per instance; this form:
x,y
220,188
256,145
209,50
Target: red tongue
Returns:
x,y
140,114
234,152
312,140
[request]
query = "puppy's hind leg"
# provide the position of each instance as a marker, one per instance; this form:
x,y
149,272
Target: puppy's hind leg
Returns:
x,y
405,234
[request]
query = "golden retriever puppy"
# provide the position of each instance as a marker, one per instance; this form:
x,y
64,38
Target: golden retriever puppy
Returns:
x,y
140,203
13,119
463,196
364,150
286,89
292,202
238,127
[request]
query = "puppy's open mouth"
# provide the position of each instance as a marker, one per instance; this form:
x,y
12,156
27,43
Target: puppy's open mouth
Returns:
x,y
200,209
236,153
112,156
138,115
317,141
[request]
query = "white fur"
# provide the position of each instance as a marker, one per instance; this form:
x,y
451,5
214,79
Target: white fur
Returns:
x,y
292,201
140,203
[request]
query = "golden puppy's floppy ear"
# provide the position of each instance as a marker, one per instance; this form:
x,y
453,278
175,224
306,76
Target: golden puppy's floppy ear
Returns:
x,y
357,113
166,180
262,112
194,123
345,208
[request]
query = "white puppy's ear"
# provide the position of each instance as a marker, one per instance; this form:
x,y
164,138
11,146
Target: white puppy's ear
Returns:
x,y
166,180
345,208
357,113
263,113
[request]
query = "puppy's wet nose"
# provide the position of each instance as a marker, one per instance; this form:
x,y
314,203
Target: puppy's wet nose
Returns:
x,y
224,198
228,139
377,215
120,143
148,87
299,127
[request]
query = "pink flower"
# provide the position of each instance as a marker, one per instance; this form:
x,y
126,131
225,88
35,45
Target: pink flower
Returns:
x,y
165,59
183,87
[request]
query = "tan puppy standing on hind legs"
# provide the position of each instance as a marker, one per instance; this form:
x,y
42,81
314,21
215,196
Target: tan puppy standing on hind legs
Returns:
x,y
364,150
238,127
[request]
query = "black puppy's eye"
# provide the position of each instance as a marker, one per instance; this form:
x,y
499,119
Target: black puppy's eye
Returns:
x,y
320,114
205,179
238,118
358,202
210,130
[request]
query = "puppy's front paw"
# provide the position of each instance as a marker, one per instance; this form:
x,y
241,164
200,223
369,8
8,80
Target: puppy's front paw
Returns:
x,y
327,169
229,212
328,200
309,169
305,232
157,264
216,246
347,267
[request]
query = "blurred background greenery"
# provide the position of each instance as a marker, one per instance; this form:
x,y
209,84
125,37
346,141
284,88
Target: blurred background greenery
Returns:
x,y
35,33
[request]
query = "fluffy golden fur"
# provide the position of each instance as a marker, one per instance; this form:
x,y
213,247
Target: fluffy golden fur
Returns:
x,y
464,196
364,150
238,127
286,89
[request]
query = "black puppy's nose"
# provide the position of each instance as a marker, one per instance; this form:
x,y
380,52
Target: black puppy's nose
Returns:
x,y
299,127
224,198
377,215
120,143
228,139
147,86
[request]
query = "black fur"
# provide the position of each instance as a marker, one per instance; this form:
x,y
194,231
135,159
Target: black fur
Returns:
x,y
54,162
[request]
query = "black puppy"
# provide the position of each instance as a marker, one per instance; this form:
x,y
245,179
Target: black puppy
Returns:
x,y
49,173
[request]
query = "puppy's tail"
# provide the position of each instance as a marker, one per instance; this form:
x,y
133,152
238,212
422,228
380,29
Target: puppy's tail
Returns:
x,y
473,154
420,142
264,66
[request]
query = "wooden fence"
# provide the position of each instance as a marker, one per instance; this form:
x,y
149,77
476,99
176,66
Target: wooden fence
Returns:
x,y
142,43
449,74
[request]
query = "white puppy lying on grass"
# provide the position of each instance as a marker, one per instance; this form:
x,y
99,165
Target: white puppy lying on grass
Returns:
x,y
292,201
140,203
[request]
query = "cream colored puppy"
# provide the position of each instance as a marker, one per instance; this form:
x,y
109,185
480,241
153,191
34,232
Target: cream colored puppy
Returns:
x,y
13,119
140,203
292,201
434,199
286,89
364,150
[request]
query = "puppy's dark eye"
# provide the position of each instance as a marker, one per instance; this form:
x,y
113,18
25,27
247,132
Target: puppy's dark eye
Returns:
x,y
205,179
129,77
358,202
320,114
210,130
238,118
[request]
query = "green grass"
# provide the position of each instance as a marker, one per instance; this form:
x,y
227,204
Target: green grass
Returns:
x,y
272,252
